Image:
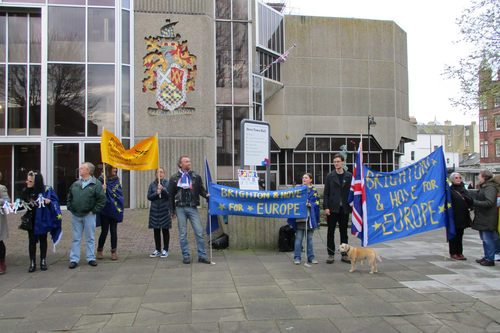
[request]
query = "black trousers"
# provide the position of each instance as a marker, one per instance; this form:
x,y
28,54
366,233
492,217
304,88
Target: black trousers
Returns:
x,y
166,238
332,220
2,250
32,244
456,242
107,223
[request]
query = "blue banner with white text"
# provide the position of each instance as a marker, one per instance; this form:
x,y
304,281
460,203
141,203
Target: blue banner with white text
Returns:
x,y
408,201
290,203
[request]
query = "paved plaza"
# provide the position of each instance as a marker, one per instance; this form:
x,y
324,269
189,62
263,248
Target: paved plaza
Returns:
x,y
416,290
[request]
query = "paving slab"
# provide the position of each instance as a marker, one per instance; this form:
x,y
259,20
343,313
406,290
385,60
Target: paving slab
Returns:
x,y
114,305
216,301
264,326
163,313
319,325
370,324
368,306
267,309
218,315
189,328
272,291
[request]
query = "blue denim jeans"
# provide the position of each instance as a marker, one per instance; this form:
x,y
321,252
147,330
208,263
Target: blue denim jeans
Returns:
x,y
191,213
299,236
79,224
488,238
496,238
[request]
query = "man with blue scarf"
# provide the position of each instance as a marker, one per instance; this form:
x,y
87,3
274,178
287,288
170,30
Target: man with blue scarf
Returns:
x,y
185,188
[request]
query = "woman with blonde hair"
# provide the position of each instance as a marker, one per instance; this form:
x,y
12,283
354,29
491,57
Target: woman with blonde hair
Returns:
x,y
159,215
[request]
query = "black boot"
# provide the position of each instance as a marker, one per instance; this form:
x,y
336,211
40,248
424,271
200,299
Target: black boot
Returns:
x,y
43,264
32,266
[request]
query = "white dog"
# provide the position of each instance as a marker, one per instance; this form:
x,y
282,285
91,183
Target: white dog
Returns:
x,y
360,253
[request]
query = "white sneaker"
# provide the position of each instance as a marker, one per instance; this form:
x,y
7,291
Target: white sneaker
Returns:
x,y
164,254
155,254
497,257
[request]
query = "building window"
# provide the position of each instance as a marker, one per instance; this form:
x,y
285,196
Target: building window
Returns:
x,y
413,156
482,149
449,132
485,148
485,123
497,148
448,160
467,142
467,133
480,124
497,121
270,40
449,143
436,147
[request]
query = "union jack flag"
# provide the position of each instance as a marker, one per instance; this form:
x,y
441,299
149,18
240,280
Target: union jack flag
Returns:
x,y
357,200
280,60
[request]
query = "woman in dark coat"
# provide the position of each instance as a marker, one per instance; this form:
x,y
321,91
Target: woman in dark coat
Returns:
x,y
112,213
461,202
159,216
486,218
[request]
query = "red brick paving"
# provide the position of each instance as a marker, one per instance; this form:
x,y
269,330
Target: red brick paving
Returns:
x,y
133,234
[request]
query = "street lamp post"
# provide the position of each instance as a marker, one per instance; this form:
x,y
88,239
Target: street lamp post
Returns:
x,y
371,122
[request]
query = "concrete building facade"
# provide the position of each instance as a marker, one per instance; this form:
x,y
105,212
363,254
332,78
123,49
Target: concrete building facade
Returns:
x,y
189,71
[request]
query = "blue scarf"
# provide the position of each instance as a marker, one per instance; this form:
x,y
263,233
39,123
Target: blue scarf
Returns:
x,y
185,181
313,199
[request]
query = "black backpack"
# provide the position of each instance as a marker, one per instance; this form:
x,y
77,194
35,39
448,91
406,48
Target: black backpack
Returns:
x,y
286,239
221,242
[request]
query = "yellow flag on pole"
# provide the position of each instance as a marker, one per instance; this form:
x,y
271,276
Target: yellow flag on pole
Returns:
x,y
143,156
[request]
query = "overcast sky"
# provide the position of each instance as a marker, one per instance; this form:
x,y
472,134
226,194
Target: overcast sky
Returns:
x,y
431,29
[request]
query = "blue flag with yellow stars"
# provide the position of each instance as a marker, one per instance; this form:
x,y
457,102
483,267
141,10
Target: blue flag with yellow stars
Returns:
x,y
290,203
49,218
409,201
114,201
313,201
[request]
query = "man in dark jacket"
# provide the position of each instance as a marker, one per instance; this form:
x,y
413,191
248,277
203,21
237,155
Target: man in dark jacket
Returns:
x,y
185,188
86,198
337,209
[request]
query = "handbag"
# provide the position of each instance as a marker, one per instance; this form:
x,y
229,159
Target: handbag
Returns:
x,y
26,220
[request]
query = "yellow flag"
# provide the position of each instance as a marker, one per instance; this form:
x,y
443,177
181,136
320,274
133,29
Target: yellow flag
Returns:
x,y
143,156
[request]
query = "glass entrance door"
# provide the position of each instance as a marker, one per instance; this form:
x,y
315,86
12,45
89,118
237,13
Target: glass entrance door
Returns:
x,y
66,161
67,158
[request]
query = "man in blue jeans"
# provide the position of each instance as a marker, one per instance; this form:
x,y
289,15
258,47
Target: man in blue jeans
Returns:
x,y
86,199
185,188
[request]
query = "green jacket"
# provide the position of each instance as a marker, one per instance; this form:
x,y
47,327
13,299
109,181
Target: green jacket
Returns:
x,y
89,199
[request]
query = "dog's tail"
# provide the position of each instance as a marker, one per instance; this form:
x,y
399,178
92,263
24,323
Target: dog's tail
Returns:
x,y
378,258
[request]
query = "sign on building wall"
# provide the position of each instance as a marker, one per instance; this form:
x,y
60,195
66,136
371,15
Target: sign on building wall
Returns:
x,y
170,72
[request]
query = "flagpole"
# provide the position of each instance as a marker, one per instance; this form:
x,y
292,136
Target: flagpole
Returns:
x,y
269,66
104,166
157,169
208,212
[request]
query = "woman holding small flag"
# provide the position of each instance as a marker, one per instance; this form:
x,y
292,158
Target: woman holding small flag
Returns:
x,y
159,215
306,226
46,217
112,213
